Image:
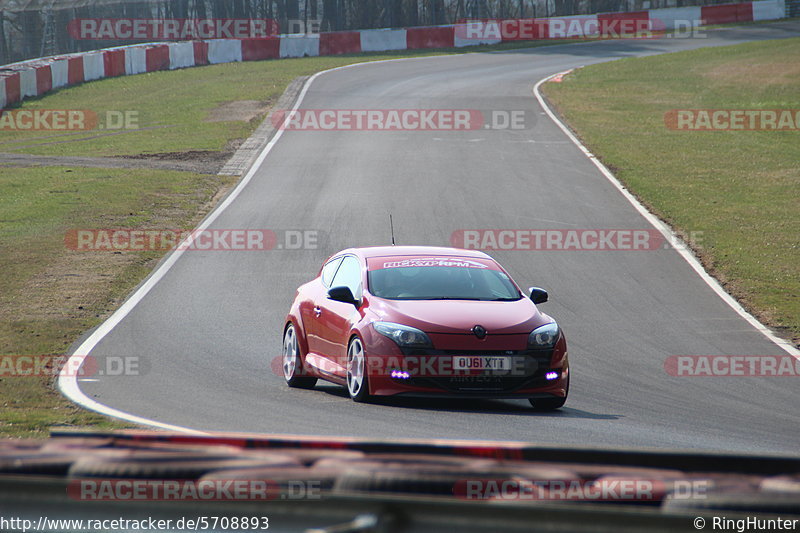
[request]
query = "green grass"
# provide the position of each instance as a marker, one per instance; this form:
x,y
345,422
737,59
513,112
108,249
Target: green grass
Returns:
x,y
740,189
171,107
50,295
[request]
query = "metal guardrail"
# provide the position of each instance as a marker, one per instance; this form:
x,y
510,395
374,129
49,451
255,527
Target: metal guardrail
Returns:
x,y
37,28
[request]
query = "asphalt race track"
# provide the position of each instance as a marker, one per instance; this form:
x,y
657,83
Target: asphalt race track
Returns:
x,y
209,329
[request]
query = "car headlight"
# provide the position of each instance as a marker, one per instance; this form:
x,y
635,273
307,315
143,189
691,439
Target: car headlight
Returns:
x,y
544,336
405,336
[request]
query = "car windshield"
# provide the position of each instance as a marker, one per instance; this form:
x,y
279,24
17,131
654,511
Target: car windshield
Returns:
x,y
442,283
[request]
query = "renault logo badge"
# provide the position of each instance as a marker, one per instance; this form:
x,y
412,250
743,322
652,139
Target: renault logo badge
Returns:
x,y
479,331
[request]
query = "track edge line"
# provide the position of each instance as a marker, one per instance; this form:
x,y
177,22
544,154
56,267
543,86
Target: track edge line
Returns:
x,y
662,227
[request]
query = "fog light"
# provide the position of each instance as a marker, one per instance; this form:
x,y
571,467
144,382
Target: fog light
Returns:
x,y
400,374
550,376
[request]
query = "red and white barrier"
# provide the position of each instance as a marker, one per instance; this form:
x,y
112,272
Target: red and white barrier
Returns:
x,y
224,50
38,76
258,49
464,36
430,37
181,55
135,60
571,27
675,18
28,86
93,66
769,10
59,70
382,40
339,42
726,13
299,45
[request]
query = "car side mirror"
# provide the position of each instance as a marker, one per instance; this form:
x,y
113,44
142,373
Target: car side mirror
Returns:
x,y
342,294
539,296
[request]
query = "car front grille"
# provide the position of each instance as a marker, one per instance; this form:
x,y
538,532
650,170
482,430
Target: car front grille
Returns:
x,y
535,363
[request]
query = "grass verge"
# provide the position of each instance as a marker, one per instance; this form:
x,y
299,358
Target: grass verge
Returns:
x,y
49,294
738,191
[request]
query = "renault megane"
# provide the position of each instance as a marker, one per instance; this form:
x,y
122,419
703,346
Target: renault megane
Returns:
x,y
424,321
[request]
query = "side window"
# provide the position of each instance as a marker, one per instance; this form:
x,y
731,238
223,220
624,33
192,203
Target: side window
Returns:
x,y
349,275
329,270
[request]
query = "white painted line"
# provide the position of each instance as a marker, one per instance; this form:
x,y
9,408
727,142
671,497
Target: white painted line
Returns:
x,y
665,230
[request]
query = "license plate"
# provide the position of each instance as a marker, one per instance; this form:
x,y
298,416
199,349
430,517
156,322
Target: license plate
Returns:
x,y
481,362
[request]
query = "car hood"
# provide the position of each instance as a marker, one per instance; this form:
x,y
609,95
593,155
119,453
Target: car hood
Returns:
x,y
460,316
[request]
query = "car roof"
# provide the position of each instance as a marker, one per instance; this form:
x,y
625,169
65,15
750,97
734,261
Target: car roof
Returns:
x,y
410,251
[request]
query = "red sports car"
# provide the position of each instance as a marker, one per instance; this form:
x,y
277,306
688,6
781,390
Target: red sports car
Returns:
x,y
424,321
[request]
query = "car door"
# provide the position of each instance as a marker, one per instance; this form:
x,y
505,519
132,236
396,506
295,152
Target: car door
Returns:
x,y
310,310
335,318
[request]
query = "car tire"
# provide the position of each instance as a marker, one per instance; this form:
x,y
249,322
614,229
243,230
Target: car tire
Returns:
x,y
292,362
357,382
549,404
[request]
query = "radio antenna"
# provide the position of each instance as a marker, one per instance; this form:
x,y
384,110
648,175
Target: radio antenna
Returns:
x,y
391,227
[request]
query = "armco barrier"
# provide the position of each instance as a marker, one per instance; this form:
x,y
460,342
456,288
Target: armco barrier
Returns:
x,y
75,71
340,42
462,37
571,27
44,79
157,58
38,76
27,79
674,18
59,70
135,60
224,50
256,49
93,66
611,22
769,10
434,37
181,55
113,62
200,53
726,13
299,45
381,40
